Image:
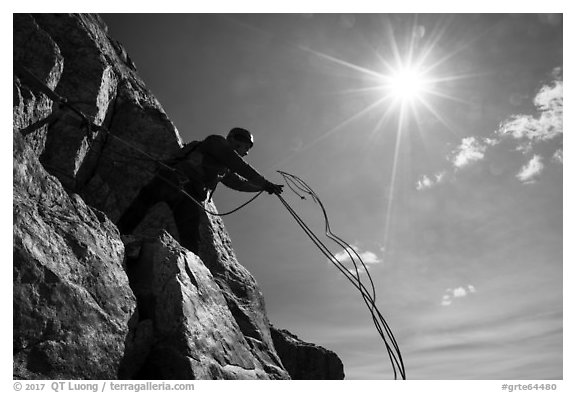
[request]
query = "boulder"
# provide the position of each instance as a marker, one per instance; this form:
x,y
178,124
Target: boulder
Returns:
x,y
303,360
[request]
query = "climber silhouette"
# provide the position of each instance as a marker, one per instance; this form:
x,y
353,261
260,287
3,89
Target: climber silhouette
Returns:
x,y
197,169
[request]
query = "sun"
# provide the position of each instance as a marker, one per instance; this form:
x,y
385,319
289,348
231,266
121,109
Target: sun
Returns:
x,y
407,84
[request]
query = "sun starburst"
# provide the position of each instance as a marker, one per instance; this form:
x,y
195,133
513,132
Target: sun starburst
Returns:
x,y
406,85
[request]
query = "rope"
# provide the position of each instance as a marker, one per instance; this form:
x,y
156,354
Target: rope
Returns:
x,y
299,187
36,83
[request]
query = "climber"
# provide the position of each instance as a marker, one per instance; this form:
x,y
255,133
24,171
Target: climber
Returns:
x,y
198,168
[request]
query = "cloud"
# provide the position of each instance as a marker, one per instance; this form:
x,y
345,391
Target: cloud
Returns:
x,y
368,257
426,182
470,150
531,130
446,300
558,156
548,124
458,292
423,183
531,170
491,141
534,135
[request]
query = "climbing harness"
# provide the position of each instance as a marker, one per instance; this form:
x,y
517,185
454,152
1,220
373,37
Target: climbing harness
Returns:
x,y
37,84
301,189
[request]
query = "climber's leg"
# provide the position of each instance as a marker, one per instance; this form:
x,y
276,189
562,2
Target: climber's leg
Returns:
x,y
149,195
187,218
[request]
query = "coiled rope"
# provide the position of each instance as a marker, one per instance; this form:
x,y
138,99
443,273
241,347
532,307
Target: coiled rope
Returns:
x,y
299,187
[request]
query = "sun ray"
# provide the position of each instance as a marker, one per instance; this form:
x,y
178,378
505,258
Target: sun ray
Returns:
x,y
384,116
341,62
451,78
392,183
348,121
332,131
439,116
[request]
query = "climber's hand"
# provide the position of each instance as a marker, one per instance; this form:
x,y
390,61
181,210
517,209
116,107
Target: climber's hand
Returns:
x,y
272,188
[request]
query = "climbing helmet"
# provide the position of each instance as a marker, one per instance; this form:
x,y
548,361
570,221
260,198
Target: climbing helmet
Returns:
x,y
241,134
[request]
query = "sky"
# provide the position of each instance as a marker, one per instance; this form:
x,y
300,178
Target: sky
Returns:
x,y
435,142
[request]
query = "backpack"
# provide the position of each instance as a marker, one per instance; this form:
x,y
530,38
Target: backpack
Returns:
x,y
181,153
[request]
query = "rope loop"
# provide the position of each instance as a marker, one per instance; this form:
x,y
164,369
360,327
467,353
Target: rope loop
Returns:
x,y
301,189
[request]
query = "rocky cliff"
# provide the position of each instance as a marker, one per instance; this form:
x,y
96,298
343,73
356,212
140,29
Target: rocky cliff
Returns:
x,y
89,304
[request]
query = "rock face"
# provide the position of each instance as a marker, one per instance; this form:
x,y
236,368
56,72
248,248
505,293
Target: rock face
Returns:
x,y
72,300
186,329
87,303
303,360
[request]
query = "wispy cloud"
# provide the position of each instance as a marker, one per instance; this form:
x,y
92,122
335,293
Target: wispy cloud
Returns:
x,y
530,130
451,294
368,257
545,126
470,150
528,133
531,170
558,156
425,182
